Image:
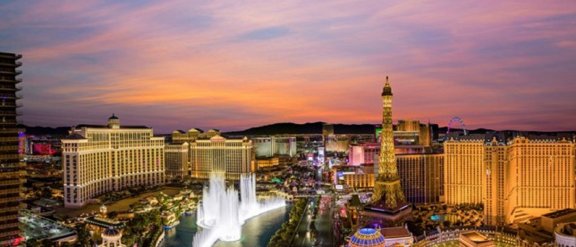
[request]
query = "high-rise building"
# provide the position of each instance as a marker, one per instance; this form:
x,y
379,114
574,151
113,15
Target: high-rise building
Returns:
x,y
179,137
210,152
422,177
412,132
218,154
274,146
388,205
464,171
337,143
514,180
176,157
103,158
495,181
10,165
542,177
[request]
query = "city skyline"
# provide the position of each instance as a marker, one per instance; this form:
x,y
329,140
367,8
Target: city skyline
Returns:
x,y
234,66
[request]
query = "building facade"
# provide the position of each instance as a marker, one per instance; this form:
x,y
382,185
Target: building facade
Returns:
x,y
542,176
210,152
179,137
337,143
10,165
422,176
464,171
495,182
176,157
267,162
412,132
274,146
103,158
514,180
218,154
365,153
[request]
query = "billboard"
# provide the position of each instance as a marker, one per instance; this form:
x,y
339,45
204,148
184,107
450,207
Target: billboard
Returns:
x,y
378,132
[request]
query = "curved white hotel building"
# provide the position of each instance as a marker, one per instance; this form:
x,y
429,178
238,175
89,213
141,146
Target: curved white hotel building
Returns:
x,y
103,158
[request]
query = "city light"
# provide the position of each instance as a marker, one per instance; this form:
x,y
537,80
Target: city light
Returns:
x,y
287,124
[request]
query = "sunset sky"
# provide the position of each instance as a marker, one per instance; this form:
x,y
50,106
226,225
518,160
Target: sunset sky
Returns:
x,y
238,64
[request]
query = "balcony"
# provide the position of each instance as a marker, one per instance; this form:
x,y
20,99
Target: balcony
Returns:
x,y
9,89
15,80
7,95
8,139
8,147
9,182
9,217
18,56
9,209
8,122
16,64
10,191
9,113
12,157
10,72
11,199
18,72
7,105
14,172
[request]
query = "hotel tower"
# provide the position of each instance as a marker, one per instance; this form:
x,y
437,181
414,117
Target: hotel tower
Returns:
x,y
515,179
101,158
10,165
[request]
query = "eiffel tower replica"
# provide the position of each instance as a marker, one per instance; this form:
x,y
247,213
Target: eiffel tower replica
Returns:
x,y
388,206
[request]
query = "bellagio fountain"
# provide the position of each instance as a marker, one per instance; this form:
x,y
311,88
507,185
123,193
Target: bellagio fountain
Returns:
x,y
223,212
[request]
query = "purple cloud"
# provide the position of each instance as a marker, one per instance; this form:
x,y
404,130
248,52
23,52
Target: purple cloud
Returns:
x,y
176,65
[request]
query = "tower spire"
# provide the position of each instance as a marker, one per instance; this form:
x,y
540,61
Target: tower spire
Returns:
x,y
387,90
388,196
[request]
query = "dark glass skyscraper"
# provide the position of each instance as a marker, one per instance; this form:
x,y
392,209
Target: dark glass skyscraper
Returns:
x,y
10,165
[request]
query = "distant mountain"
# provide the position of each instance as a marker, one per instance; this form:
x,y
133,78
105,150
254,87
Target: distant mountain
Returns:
x,y
37,130
281,128
307,128
355,128
312,128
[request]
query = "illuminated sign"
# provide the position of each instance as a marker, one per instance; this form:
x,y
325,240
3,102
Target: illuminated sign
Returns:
x,y
378,132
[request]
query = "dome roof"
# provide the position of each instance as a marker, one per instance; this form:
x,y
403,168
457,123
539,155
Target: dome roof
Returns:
x,y
111,232
367,237
113,117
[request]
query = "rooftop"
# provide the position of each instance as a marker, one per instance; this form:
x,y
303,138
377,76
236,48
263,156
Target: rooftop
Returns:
x,y
96,126
366,237
475,237
395,232
105,223
74,137
568,229
560,213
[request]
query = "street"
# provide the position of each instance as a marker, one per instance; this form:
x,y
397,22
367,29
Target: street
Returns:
x,y
305,235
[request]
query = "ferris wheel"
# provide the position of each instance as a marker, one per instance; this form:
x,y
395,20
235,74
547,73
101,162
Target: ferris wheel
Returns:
x,y
456,122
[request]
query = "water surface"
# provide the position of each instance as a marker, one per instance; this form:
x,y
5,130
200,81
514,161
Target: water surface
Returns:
x,y
255,232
